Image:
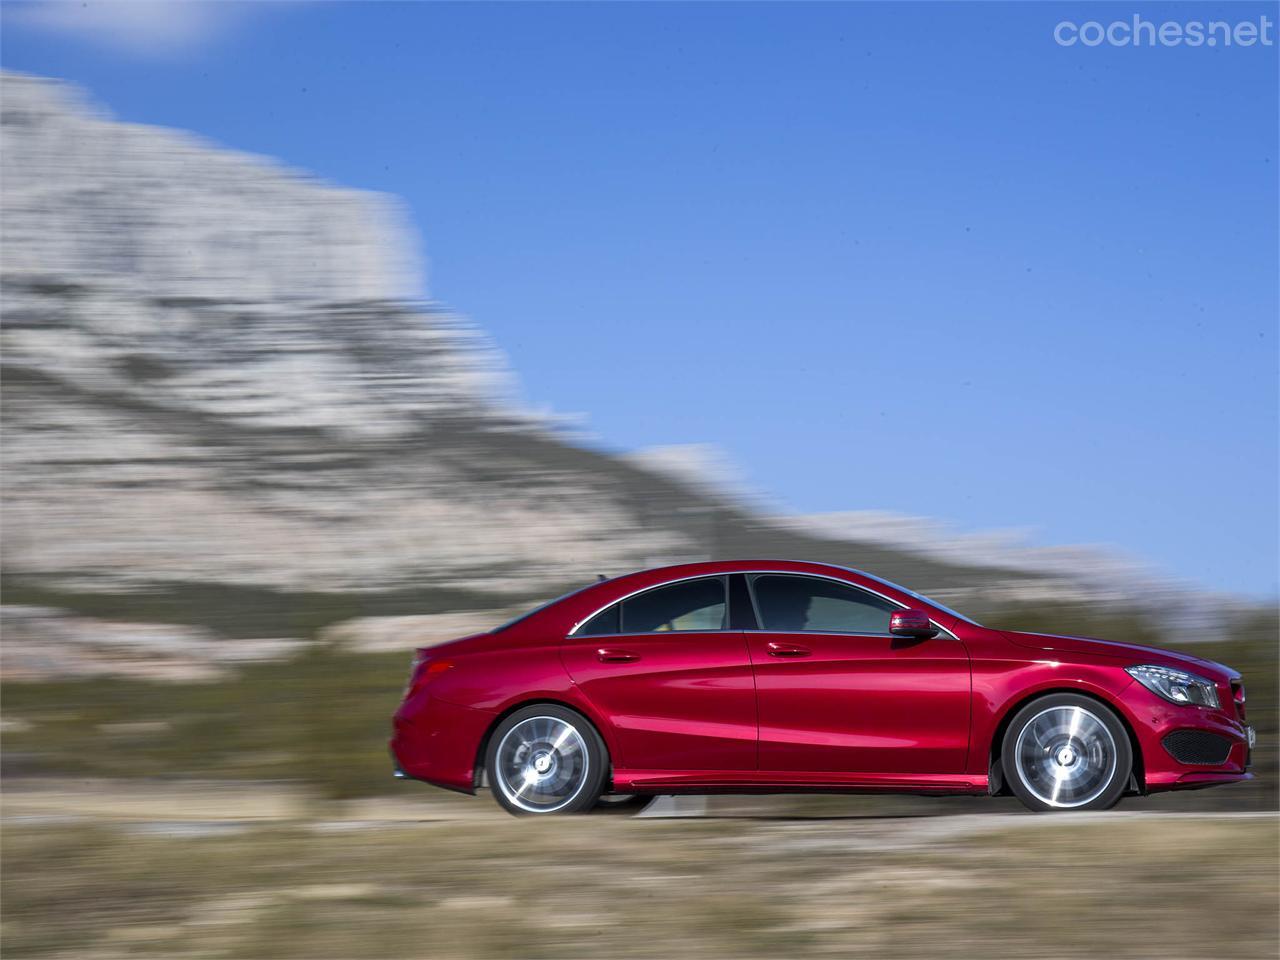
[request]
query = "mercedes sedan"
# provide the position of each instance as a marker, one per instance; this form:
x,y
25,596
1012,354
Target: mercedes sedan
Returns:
x,y
782,676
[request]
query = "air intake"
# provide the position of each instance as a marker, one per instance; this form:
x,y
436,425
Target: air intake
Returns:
x,y
1197,747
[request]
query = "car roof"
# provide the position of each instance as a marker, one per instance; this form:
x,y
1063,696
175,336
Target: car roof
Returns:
x,y
565,613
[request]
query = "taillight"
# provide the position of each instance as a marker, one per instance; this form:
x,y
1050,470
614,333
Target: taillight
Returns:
x,y
424,669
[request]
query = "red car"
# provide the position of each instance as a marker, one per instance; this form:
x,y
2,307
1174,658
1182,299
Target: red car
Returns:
x,y
780,676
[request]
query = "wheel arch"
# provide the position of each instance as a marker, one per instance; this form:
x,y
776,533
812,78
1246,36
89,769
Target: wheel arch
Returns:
x,y
478,767
1137,776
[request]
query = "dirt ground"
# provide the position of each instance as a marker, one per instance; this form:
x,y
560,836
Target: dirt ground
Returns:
x,y
95,869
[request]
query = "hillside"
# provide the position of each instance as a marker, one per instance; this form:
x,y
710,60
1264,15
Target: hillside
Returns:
x,y
224,406
229,408
245,456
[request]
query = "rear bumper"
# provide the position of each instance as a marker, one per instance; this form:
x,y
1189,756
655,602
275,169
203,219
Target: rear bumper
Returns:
x,y
438,742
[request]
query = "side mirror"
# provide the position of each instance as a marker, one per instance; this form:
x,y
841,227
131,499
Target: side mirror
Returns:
x,y
911,623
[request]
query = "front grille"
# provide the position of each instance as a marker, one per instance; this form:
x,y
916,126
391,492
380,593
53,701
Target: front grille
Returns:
x,y
1197,747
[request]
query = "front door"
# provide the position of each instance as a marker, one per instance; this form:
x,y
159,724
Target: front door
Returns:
x,y
838,693
672,680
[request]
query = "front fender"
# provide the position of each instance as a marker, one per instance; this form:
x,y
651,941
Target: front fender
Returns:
x,y
1000,688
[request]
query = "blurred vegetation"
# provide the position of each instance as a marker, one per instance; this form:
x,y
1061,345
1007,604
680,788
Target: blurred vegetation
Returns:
x,y
249,612
323,718
588,888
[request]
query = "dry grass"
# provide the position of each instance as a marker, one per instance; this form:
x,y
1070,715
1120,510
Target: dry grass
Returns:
x,y
491,886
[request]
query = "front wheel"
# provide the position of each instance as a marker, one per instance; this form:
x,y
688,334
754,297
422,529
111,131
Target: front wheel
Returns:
x,y
546,759
1066,752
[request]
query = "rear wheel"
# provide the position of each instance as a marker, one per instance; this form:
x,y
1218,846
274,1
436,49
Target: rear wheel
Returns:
x,y
1066,752
546,759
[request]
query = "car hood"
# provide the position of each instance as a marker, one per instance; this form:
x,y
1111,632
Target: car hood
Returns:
x,y
1133,652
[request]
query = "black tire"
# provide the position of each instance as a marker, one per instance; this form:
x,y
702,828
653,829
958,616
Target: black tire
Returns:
x,y
1066,752
622,804
546,759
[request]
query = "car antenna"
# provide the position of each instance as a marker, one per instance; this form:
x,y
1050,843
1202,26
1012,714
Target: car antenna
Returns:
x,y
600,578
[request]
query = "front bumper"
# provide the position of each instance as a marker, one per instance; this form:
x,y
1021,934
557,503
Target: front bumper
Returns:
x,y
1188,747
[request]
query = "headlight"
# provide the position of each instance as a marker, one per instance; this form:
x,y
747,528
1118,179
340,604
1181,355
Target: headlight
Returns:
x,y
1176,686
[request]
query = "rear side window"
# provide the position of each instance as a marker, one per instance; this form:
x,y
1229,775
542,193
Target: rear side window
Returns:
x,y
688,605
807,603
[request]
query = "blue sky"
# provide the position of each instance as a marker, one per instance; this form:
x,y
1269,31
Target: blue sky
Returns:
x,y
832,239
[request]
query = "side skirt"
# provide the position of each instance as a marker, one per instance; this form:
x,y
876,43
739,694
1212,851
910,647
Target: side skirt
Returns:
x,y
766,781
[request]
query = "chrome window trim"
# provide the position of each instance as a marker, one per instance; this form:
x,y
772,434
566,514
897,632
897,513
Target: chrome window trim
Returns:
x,y
793,573
943,633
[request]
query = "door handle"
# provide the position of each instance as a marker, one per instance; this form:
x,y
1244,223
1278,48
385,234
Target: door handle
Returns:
x,y
788,650
608,655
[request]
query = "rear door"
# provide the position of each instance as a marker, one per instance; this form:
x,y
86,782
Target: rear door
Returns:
x,y
838,693
671,677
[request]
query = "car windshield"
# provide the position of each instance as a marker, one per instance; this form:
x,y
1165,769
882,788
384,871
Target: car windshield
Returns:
x,y
921,597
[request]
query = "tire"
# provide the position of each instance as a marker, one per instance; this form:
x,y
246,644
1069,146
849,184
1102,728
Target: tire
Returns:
x,y
622,804
1066,752
546,759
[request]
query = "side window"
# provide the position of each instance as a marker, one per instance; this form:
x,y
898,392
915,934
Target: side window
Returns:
x,y
688,605
807,603
603,623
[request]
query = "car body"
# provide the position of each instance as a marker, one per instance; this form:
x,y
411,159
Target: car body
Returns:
x,y
808,677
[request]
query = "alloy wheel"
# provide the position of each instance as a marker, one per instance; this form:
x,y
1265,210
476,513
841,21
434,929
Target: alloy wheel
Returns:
x,y
1065,756
542,764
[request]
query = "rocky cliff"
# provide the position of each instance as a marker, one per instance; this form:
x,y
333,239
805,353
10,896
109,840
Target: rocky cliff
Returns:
x,y
227,405
215,371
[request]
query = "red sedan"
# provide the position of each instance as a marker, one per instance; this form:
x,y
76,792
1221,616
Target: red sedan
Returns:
x,y
781,676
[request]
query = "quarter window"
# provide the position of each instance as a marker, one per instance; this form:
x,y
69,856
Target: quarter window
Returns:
x,y
793,603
